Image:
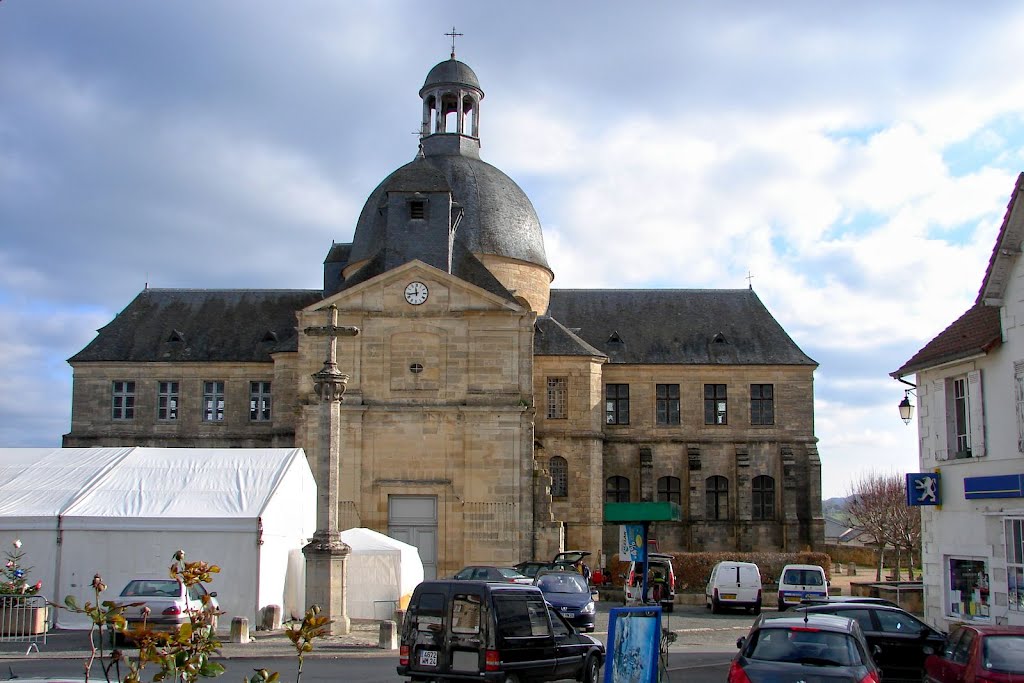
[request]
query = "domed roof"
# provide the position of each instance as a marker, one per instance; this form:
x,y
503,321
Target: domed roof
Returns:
x,y
451,72
498,218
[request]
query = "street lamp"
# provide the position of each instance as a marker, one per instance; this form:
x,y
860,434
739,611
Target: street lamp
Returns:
x,y
906,408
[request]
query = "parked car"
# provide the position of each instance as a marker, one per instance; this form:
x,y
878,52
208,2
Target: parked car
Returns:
x,y
982,654
170,603
472,630
479,572
734,584
531,568
570,595
800,582
661,582
900,641
821,648
859,599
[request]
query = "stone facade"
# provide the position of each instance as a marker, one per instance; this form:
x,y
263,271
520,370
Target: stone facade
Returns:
x,y
449,437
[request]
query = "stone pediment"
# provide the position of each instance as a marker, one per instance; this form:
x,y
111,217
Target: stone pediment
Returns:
x,y
415,289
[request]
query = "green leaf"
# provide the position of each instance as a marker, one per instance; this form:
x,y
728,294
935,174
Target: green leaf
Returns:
x,y
211,669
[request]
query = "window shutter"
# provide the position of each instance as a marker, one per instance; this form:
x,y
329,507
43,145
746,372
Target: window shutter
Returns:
x,y
977,407
940,418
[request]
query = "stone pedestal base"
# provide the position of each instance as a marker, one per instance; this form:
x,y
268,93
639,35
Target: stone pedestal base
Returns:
x,y
326,564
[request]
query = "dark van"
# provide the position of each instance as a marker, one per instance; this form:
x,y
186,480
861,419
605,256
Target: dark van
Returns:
x,y
477,631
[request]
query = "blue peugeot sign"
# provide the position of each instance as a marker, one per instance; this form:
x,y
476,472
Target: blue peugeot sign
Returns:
x,y
923,489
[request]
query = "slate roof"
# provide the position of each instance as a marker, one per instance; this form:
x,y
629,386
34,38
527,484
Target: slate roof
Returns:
x,y
976,331
212,325
677,326
552,338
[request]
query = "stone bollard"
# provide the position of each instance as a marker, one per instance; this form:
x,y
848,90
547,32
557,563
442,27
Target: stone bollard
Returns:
x,y
271,618
239,630
851,569
388,636
399,619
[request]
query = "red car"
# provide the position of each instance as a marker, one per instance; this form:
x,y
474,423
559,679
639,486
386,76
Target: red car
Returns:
x,y
978,654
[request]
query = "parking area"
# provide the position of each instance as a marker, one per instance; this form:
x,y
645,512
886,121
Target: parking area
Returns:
x,y
696,627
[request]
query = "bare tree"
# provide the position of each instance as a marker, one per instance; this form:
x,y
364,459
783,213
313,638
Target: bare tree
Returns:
x,y
875,504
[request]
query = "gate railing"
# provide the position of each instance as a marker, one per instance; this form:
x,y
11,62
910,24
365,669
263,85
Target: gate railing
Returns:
x,y
24,619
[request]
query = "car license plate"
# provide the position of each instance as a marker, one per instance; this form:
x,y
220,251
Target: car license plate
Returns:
x,y
728,596
792,598
428,657
568,615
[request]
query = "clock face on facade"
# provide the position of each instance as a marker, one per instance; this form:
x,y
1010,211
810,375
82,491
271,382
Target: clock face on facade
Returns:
x,y
416,293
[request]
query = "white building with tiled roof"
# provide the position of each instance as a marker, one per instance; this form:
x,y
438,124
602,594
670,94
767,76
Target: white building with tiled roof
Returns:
x,y
969,388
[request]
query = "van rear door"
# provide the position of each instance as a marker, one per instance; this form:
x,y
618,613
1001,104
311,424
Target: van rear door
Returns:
x,y
525,642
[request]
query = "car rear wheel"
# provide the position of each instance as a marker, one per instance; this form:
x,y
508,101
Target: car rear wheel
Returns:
x,y
716,606
757,607
591,670
511,678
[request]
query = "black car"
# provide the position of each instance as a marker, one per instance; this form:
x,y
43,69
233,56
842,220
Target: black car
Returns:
x,y
897,637
570,595
821,647
480,631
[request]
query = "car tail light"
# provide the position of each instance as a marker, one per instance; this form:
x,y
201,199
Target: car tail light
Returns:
x,y
738,675
872,677
172,611
491,660
807,628
403,656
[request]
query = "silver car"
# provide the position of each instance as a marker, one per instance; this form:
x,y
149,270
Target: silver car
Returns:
x,y
168,601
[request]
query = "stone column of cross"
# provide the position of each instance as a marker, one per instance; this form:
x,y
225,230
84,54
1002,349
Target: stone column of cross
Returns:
x,y
326,554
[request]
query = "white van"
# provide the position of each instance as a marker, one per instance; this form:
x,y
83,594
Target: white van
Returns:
x,y
734,584
799,581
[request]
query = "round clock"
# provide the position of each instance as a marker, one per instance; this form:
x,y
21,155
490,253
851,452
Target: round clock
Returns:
x,y
416,293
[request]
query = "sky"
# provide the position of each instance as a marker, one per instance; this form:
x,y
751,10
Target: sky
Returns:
x,y
853,159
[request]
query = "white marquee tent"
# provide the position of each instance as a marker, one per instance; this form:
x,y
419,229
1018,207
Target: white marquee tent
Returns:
x,y
123,512
382,573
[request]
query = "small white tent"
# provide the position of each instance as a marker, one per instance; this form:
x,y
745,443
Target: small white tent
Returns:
x,y
123,512
382,573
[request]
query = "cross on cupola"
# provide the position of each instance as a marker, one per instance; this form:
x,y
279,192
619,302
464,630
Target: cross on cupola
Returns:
x,y
453,34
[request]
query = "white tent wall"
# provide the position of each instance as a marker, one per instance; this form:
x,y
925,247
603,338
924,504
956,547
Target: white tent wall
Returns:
x,y
381,572
40,553
287,522
122,555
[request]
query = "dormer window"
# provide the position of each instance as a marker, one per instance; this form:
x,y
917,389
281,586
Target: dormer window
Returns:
x,y
417,209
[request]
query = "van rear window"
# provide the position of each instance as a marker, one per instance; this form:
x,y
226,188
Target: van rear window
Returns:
x,y
518,618
804,577
466,614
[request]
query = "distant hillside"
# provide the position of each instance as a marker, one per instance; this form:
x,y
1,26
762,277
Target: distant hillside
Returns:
x,y
835,508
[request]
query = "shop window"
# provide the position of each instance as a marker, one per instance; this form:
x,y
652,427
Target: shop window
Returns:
x,y
967,583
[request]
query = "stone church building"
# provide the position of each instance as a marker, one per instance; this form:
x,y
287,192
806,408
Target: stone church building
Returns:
x,y
487,416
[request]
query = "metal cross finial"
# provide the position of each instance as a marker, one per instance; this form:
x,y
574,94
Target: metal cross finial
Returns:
x,y
453,34
750,277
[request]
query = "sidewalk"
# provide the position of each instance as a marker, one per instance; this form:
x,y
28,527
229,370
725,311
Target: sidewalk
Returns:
x,y
362,640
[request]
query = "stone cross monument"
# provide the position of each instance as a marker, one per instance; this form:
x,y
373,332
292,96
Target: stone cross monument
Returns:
x,y
327,555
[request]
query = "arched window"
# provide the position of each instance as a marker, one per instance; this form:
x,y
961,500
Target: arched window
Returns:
x,y
716,498
670,489
616,490
559,469
763,498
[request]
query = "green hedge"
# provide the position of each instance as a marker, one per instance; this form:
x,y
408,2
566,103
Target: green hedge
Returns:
x,y
694,569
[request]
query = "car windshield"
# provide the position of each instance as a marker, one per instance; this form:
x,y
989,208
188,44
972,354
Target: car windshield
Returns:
x,y
562,583
803,577
808,646
1003,653
152,588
